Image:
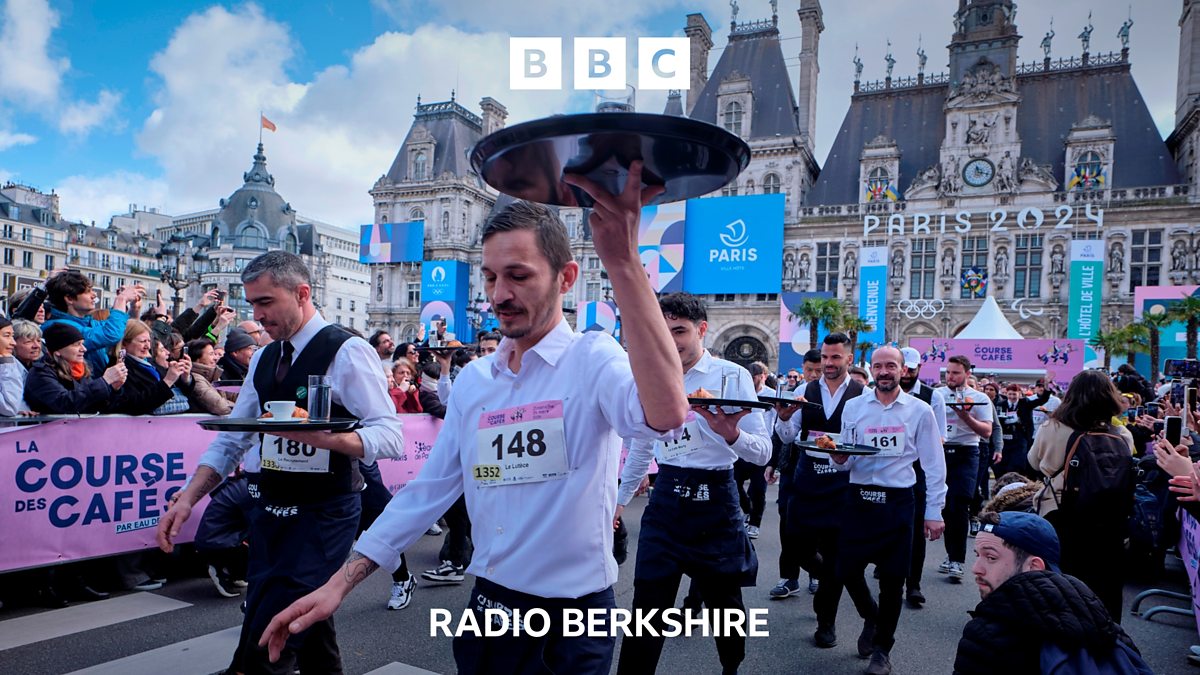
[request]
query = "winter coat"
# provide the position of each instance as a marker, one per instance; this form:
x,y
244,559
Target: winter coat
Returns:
x,y
1016,499
1049,453
406,402
12,387
98,335
142,392
205,398
47,393
232,369
1008,628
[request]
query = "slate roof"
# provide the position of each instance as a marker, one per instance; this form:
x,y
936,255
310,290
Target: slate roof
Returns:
x,y
1050,104
754,52
31,215
674,104
455,131
256,202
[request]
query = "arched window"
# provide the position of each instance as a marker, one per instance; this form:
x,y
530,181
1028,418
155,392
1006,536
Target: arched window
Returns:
x,y
383,218
730,190
771,184
733,117
879,185
251,236
216,236
416,214
1089,172
290,244
572,222
420,163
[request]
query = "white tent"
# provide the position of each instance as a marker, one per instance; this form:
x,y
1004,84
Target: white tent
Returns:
x,y
989,324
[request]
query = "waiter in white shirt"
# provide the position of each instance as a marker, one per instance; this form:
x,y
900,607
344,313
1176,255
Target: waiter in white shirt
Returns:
x,y
694,523
968,420
308,501
879,514
911,383
532,435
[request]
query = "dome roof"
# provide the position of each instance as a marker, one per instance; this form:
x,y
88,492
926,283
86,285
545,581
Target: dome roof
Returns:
x,y
256,206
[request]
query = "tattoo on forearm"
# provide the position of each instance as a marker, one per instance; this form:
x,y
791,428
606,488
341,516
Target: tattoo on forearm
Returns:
x,y
358,567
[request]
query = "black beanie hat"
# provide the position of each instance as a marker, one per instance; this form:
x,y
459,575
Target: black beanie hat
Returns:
x,y
59,335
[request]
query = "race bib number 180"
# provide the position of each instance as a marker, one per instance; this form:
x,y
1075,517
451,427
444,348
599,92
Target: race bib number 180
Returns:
x,y
280,454
525,444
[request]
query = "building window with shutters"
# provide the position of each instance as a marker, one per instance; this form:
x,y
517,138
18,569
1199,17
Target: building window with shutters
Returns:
x,y
420,165
922,269
828,262
1145,258
414,295
1027,266
49,263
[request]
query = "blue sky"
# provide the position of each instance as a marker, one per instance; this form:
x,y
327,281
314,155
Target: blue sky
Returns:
x,y
155,103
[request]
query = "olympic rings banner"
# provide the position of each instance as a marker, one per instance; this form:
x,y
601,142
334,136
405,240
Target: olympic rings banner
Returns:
x,y
96,486
872,293
1060,360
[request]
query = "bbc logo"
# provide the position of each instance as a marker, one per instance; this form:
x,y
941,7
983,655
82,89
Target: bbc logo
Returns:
x,y
537,63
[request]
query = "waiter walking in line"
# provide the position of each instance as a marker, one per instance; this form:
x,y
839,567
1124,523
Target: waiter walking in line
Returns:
x,y
533,437
968,420
308,501
816,510
694,524
878,524
911,383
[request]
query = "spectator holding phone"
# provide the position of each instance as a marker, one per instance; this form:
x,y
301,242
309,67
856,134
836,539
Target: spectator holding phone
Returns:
x,y
147,388
62,383
12,374
72,301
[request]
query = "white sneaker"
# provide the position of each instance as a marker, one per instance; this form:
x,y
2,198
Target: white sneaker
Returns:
x,y
434,530
956,572
752,531
944,568
402,592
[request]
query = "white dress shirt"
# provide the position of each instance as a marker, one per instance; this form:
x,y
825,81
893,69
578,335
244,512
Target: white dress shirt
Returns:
x,y
789,430
937,401
921,441
356,384
957,431
551,538
443,388
753,443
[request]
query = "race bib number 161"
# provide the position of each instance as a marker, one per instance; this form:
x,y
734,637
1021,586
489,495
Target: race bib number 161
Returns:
x,y
524,444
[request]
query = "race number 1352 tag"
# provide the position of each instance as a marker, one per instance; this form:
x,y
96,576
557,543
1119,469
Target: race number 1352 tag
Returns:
x,y
525,444
280,454
889,440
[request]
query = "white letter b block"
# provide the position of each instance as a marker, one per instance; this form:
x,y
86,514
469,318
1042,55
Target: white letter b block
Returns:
x,y
535,63
599,63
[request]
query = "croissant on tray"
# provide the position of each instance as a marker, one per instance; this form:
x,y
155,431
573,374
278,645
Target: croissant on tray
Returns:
x,y
826,443
701,393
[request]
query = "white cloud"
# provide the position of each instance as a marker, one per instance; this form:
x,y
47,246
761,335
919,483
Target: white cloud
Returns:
x,y
78,119
97,198
30,76
9,139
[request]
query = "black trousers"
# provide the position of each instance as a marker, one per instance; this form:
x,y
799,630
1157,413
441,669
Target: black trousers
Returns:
x,y
692,525
981,478
291,556
821,546
962,466
789,545
754,498
528,655
375,498
877,530
917,567
456,545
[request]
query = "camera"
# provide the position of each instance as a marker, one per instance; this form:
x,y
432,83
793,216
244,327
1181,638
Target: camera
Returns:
x,y
1181,368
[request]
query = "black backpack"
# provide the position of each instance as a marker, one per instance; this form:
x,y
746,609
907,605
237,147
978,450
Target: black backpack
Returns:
x,y
1098,475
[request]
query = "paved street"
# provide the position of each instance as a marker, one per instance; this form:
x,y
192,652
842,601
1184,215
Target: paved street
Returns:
x,y
186,628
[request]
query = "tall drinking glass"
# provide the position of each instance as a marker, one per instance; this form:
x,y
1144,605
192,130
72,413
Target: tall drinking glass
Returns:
x,y
320,398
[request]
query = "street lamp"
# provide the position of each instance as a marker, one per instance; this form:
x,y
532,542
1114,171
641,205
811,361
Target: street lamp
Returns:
x,y
172,272
475,315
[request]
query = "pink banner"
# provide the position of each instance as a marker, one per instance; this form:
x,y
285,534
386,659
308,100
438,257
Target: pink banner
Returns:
x,y
1060,360
420,431
1189,549
93,486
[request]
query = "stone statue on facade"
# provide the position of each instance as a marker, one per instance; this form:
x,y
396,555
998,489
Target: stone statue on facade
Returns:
x,y
1039,172
1006,177
948,262
978,133
891,60
1001,268
379,287
930,175
1047,39
959,23
950,177
897,264
1057,260
850,270
1086,36
1116,257
1179,256
734,8
858,65
789,266
803,267
1123,33
922,58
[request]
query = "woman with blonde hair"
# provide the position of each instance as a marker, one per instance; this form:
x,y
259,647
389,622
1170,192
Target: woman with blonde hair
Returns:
x,y
61,383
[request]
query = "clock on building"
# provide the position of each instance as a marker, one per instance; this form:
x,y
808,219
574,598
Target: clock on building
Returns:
x,y
978,172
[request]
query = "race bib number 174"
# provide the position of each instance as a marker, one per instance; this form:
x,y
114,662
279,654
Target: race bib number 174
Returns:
x,y
524,444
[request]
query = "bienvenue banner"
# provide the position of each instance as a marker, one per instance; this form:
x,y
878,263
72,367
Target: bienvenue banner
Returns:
x,y
1060,360
872,292
97,486
1087,275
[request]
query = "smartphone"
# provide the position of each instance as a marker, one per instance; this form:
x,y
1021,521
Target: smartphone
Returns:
x,y
1173,425
220,296
1177,392
1189,399
121,355
1158,427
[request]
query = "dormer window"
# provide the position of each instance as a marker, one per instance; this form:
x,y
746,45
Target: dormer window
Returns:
x,y
416,214
420,165
1089,172
732,117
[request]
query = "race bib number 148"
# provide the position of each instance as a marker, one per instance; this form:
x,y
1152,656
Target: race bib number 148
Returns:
x,y
524,444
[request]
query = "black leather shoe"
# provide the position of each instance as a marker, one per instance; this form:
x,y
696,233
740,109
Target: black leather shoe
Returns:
x,y
915,598
825,637
85,592
47,596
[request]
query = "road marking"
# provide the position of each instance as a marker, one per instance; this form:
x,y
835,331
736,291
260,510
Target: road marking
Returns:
x,y
84,617
396,668
205,654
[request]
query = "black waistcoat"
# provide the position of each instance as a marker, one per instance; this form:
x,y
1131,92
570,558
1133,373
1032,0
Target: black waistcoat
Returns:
x,y
286,488
819,487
